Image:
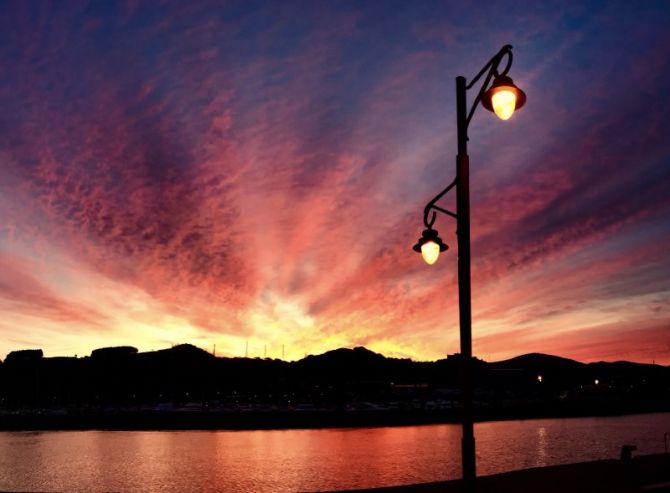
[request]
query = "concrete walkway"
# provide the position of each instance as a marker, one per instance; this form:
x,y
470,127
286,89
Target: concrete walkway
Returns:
x,y
649,473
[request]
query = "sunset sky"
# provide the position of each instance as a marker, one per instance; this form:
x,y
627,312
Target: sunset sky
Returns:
x,y
256,172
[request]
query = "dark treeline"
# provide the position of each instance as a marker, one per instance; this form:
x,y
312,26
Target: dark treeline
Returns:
x,y
187,379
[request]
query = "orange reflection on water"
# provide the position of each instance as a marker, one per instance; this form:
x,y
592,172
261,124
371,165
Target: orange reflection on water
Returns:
x,y
305,460
345,458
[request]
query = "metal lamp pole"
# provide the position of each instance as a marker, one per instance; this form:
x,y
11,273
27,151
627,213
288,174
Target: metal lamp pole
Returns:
x,y
464,292
502,97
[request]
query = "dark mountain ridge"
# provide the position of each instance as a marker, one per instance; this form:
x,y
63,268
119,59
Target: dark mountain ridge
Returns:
x,y
184,377
537,359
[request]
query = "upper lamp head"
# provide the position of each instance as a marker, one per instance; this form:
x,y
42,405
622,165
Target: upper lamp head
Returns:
x,y
430,245
503,97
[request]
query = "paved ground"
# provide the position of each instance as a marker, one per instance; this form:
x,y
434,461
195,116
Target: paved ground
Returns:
x,y
649,473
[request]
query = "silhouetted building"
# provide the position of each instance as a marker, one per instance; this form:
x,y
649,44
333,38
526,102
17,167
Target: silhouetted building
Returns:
x,y
24,355
113,352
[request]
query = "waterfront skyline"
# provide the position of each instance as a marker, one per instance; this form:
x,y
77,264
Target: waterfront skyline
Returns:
x,y
255,174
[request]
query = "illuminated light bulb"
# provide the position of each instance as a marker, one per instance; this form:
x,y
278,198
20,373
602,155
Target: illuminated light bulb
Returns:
x,y
539,378
504,103
430,251
503,97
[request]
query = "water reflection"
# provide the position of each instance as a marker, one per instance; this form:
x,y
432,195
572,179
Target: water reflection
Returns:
x,y
541,446
304,460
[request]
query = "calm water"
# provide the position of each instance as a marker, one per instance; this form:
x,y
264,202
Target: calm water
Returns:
x,y
305,460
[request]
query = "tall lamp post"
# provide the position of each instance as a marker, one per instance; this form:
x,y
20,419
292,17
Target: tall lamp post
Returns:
x,y
498,94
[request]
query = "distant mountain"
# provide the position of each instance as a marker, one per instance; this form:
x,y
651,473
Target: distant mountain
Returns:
x,y
538,362
356,354
358,363
123,378
532,358
179,353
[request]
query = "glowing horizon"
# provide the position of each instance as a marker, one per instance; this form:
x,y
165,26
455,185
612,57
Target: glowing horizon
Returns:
x,y
257,173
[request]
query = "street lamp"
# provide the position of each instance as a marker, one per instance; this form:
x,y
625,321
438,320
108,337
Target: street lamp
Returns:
x,y
502,97
430,245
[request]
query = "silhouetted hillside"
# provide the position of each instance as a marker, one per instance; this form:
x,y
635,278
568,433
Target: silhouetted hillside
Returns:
x,y
563,372
538,361
186,378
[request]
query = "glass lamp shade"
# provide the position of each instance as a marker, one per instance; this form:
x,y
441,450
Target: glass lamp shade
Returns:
x,y
430,245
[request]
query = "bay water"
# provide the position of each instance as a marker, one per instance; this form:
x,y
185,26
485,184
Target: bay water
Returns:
x,y
306,460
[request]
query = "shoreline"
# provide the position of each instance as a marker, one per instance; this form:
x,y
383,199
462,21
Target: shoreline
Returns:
x,y
650,473
144,420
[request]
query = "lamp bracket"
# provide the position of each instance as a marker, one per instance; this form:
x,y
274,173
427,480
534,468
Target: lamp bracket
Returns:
x,y
431,207
493,71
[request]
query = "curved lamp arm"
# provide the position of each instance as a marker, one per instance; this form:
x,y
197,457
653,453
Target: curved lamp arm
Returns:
x,y
430,206
492,67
